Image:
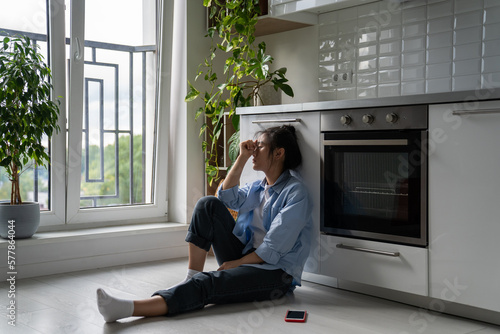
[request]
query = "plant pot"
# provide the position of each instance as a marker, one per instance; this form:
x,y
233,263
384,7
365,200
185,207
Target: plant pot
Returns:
x,y
26,219
267,96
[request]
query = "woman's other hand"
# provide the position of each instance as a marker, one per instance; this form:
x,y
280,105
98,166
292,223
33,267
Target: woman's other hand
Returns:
x,y
229,265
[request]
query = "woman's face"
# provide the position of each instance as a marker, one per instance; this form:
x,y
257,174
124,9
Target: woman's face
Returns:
x,y
262,158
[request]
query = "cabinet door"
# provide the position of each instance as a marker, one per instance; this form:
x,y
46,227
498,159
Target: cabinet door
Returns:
x,y
308,133
464,203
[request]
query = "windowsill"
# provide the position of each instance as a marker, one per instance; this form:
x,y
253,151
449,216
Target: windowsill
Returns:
x,y
97,232
57,252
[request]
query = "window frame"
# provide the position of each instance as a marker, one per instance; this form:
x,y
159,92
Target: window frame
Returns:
x,y
66,146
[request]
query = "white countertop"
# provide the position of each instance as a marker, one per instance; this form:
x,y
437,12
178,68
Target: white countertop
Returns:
x,y
436,98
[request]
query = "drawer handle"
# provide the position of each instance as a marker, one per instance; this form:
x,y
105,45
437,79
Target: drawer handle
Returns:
x,y
367,250
476,112
287,120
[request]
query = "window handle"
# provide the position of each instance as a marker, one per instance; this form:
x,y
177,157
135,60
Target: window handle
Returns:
x,y
78,53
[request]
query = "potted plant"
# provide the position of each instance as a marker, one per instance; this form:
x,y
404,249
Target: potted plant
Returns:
x,y
27,113
237,84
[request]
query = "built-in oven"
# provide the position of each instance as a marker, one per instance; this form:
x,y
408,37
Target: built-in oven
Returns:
x,y
374,174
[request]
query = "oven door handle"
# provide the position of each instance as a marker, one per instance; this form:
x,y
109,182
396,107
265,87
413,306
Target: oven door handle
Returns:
x,y
285,120
476,112
368,250
366,142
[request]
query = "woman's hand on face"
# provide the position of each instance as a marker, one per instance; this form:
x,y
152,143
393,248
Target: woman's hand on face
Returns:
x,y
247,148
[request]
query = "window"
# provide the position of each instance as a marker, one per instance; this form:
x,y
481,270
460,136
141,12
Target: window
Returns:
x,y
104,59
27,17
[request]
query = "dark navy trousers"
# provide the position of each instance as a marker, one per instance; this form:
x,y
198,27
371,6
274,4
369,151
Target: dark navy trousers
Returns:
x,y
212,226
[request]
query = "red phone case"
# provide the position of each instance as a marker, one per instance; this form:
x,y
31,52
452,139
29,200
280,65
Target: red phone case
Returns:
x,y
287,319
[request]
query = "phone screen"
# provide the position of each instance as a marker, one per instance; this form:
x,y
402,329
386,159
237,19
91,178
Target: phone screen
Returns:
x,y
295,316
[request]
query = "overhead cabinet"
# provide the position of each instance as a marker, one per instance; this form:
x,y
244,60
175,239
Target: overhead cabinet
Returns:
x,y
307,11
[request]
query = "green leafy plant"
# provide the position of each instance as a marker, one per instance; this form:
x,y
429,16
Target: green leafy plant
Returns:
x,y
245,70
27,112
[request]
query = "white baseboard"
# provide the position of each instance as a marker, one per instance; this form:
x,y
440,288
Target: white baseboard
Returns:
x,y
61,252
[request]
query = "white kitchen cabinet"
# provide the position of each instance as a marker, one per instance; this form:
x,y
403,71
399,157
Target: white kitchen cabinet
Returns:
x,y
391,266
307,10
308,133
464,203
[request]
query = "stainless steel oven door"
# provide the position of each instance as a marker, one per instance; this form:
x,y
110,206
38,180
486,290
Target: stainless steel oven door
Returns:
x,y
374,186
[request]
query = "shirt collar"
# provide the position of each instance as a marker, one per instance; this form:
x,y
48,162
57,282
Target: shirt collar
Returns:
x,y
280,182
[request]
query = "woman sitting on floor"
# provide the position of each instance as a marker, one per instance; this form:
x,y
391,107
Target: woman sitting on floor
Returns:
x,y
261,255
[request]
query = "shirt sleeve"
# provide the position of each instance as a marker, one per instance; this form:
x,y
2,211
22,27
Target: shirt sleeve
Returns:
x,y
236,198
283,235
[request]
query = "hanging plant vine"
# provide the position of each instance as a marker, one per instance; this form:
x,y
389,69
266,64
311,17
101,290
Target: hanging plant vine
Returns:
x,y
246,69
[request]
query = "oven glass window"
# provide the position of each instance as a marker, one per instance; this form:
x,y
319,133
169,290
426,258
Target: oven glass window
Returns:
x,y
373,189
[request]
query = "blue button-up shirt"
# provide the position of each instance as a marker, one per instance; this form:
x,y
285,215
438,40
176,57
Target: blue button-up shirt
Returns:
x,y
287,218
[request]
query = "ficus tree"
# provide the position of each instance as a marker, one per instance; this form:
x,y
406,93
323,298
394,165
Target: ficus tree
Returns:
x,y
27,112
245,71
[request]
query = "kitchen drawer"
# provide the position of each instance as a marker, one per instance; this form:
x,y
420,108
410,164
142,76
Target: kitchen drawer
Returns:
x,y
408,271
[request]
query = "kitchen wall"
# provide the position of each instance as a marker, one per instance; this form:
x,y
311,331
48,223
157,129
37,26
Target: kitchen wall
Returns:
x,y
297,50
394,48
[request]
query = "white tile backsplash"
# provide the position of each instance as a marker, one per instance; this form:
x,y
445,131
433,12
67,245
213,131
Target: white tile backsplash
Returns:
x,y
386,90
491,3
389,76
413,58
365,92
390,33
414,44
440,85
440,24
469,19
413,47
468,35
441,55
467,5
441,70
415,14
490,80
491,48
491,31
413,73
388,62
440,40
387,48
466,82
467,67
439,9
490,65
413,87
467,51
414,29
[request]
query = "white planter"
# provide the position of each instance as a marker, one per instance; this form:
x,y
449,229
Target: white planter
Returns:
x,y
267,96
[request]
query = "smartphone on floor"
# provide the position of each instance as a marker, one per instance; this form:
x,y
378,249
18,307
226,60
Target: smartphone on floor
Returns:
x,y
295,316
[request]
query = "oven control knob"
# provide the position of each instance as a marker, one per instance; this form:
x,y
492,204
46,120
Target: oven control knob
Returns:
x,y
345,120
368,119
391,118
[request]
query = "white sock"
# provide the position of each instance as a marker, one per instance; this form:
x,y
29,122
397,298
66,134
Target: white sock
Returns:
x,y
113,308
190,274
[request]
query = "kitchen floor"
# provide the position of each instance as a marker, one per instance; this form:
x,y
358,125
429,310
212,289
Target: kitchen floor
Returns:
x,y
66,303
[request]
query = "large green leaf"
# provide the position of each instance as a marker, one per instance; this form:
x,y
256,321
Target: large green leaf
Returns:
x,y
192,94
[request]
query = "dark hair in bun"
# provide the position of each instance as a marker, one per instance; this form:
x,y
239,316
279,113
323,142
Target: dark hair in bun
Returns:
x,y
284,137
